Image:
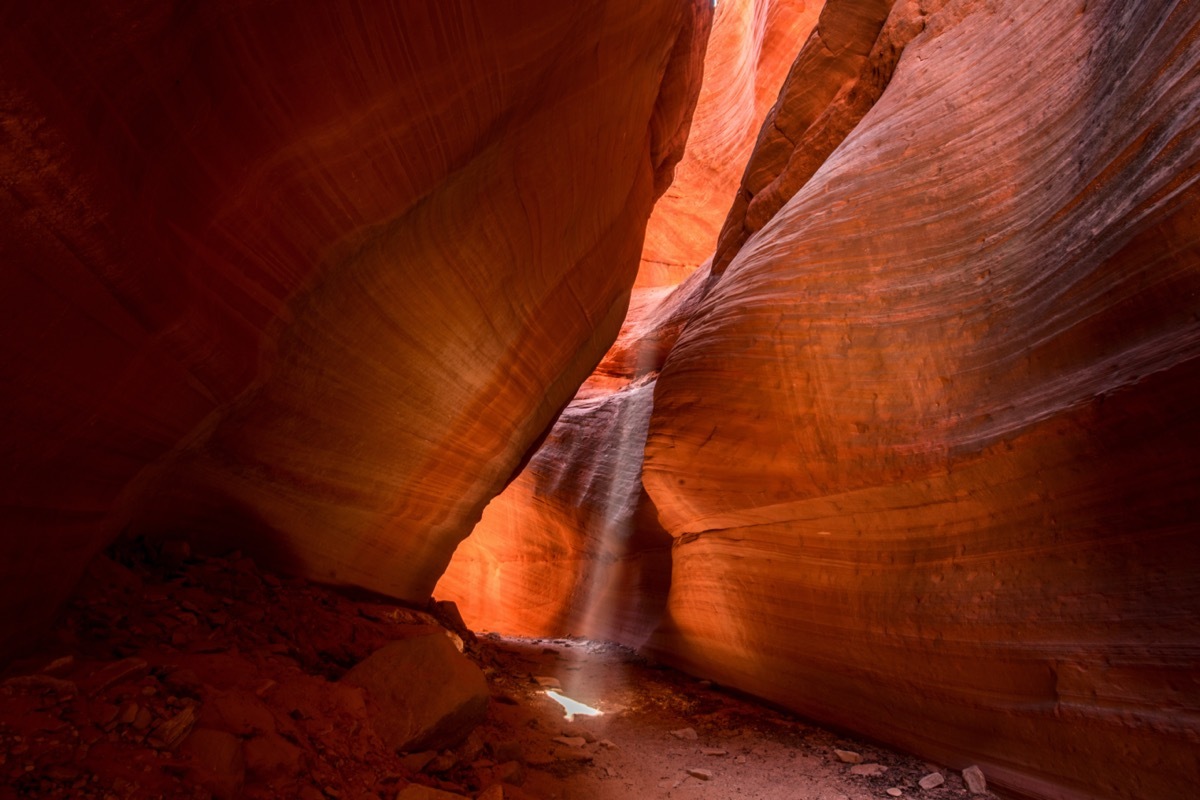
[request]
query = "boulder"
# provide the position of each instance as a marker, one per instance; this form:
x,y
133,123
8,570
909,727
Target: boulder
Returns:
x,y
220,761
426,695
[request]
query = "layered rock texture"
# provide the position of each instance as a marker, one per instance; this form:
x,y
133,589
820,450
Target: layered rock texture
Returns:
x,y
924,441
910,450
751,49
573,544
310,281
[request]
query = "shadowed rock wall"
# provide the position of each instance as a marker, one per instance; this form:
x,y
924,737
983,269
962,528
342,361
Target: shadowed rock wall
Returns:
x,y
309,280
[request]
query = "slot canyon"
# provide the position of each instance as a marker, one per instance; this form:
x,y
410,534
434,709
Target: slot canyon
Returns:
x,y
809,389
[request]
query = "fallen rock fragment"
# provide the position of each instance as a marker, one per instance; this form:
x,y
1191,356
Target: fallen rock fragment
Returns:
x,y
565,754
428,694
170,732
571,741
973,777
932,780
443,763
685,733
219,756
701,774
271,757
848,756
61,664
124,670
580,732
239,712
868,770
894,792
143,718
512,772
416,762
507,751
713,751
44,684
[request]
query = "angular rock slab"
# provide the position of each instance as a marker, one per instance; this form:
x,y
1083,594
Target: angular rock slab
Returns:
x,y
427,695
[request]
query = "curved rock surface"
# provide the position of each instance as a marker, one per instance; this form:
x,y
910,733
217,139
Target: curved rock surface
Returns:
x,y
916,455
310,281
572,545
752,46
559,551
927,448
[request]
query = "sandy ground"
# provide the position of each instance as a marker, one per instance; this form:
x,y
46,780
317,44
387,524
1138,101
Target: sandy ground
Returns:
x,y
642,747
172,676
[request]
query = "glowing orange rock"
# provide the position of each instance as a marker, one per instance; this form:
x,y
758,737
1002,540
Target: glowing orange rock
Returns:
x,y
572,545
928,447
753,44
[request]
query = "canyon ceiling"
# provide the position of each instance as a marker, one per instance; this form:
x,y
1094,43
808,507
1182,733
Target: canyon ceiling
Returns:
x,y
900,431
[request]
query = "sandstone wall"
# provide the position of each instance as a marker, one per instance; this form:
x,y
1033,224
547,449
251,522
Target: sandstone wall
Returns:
x,y
573,544
752,47
927,447
310,280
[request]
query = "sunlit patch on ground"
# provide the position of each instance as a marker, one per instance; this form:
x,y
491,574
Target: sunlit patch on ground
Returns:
x,y
573,707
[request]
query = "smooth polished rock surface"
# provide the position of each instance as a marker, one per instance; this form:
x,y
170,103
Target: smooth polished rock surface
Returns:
x,y
573,544
928,445
564,549
310,281
749,54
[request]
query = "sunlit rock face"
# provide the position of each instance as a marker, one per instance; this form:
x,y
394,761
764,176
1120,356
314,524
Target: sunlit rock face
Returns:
x,y
927,448
310,281
573,545
752,47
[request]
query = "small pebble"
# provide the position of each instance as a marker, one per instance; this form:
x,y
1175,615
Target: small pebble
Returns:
x,y
571,741
932,780
848,756
973,777
868,770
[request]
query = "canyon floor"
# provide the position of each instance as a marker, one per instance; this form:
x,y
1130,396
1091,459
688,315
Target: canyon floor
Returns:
x,y
664,734
179,676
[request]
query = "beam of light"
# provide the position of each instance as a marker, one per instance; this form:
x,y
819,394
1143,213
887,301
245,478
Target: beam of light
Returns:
x,y
573,707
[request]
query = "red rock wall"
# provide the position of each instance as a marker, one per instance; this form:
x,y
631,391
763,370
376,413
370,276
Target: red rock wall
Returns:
x,y
928,446
752,46
310,280
573,544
